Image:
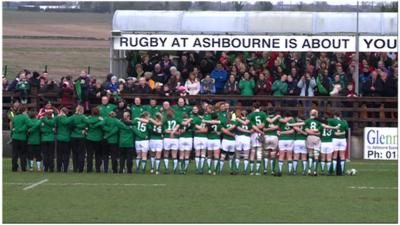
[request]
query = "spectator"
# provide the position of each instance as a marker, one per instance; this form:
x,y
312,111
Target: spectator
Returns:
x,y
146,64
292,86
307,85
5,83
129,87
231,86
35,79
364,78
112,87
324,84
207,85
166,64
349,92
280,87
82,86
159,75
47,108
173,83
338,86
96,90
23,87
142,87
121,108
13,84
149,81
263,86
247,85
197,74
185,67
389,88
192,85
220,76
107,81
374,87
158,89
139,72
67,92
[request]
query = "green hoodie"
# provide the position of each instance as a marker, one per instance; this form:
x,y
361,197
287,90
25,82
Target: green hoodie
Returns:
x,y
47,129
126,136
95,131
247,87
20,126
63,128
78,122
110,129
34,131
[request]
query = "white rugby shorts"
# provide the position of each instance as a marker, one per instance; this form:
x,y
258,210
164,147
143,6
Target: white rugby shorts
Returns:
x,y
171,144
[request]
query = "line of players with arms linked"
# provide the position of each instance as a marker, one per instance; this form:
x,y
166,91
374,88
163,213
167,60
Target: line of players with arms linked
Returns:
x,y
161,133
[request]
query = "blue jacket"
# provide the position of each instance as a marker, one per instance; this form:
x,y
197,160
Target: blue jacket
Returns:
x,y
220,77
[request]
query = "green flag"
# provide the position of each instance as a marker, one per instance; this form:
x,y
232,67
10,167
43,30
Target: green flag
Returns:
x,y
78,89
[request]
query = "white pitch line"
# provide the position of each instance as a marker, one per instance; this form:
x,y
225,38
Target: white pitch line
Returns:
x,y
85,184
35,184
372,188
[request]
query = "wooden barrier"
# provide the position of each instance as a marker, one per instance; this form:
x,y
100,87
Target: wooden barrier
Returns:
x,y
359,111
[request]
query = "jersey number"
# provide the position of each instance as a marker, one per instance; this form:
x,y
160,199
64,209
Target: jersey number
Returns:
x,y
326,132
171,124
258,120
313,126
157,129
141,126
214,127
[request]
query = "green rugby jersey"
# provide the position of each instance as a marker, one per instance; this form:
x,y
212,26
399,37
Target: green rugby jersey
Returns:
x,y
246,127
141,130
326,135
187,131
300,136
269,125
343,127
227,125
214,131
156,132
169,125
313,124
197,120
257,118
284,127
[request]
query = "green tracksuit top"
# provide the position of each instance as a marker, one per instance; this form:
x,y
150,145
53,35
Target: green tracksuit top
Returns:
x,y
63,128
34,131
106,109
20,126
95,128
126,134
110,130
48,129
78,125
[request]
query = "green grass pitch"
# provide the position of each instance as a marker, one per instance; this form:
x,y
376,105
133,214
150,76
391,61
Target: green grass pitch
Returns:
x,y
370,196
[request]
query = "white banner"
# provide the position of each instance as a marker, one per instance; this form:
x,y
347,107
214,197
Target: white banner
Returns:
x,y
380,143
253,43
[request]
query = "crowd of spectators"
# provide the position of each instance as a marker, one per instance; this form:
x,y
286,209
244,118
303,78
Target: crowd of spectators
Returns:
x,y
231,73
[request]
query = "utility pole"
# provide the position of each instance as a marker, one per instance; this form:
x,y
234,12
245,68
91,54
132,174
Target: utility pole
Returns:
x,y
357,69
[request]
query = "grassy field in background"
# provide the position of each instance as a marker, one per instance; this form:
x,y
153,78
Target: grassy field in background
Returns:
x,y
369,197
63,57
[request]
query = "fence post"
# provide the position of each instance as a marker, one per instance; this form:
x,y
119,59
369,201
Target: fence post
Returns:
x,y
35,98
